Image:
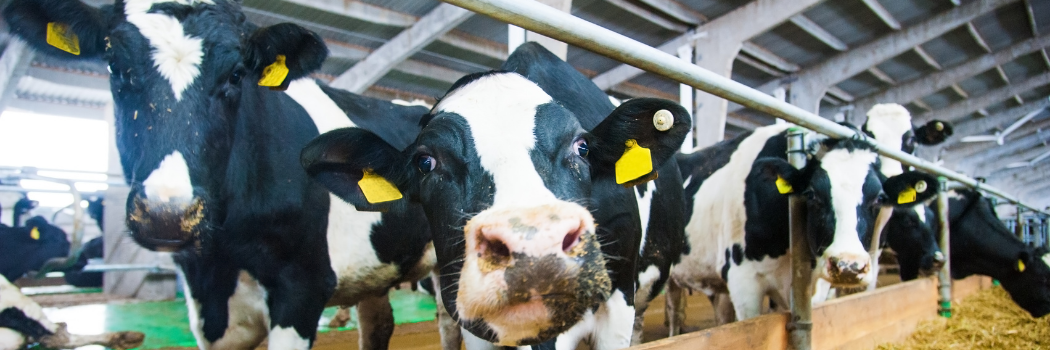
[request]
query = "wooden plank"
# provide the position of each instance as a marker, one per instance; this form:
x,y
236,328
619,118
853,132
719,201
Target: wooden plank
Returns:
x,y
961,289
763,332
852,319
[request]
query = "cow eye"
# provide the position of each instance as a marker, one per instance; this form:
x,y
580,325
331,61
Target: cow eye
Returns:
x,y
581,148
235,77
426,164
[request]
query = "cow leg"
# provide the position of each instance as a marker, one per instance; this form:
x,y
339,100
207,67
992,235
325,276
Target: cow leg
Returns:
x,y
296,303
10,339
723,305
451,333
62,339
341,318
674,308
375,322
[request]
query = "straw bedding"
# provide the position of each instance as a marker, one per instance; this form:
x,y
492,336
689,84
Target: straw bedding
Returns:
x,y
986,320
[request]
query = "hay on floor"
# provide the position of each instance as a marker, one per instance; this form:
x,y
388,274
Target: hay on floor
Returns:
x,y
986,320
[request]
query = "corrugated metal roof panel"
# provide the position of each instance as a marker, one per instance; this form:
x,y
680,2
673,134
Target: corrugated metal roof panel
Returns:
x,y
1004,26
953,47
1025,66
848,20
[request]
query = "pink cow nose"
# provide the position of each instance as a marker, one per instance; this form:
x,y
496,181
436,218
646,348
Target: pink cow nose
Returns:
x,y
553,229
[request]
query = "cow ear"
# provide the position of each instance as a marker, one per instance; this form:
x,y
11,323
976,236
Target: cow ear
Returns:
x,y
778,172
909,188
638,137
61,28
934,132
357,166
284,52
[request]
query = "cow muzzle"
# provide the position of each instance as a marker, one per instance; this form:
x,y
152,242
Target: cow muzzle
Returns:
x,y
848,270
531,273
164,226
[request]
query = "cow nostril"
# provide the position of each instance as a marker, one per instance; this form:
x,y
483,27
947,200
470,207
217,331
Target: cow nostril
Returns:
x,y
494,248
571,240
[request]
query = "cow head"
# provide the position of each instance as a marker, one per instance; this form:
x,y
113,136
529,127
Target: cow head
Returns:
x,y
982,245
505,174
843,193
178,69
913,237
890,125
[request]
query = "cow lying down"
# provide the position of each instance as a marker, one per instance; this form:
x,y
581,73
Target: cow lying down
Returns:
x,y
22,323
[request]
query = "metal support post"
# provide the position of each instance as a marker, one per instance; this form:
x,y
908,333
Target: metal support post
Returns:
x,y
801,326
1019,220
944,276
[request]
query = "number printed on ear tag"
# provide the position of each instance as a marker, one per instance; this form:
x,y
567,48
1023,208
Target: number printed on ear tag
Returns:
x,y
635,162
60,35
783,186
906,196
274,74
377,189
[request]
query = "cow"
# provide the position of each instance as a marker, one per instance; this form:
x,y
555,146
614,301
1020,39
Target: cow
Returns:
x,y
907,229
211,112
738,229
23,324
537,239
27,248
982,245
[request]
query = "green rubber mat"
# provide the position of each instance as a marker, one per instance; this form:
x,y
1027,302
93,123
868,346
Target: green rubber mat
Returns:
x,y
166,325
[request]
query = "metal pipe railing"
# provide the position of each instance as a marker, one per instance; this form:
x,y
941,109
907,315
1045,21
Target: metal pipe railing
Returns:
x,y
548,21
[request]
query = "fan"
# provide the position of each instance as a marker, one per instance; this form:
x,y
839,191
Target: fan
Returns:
x,y
1001,135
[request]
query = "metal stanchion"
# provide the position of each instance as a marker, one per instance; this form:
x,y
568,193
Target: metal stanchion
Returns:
x,y
801,325
944,276
1019,223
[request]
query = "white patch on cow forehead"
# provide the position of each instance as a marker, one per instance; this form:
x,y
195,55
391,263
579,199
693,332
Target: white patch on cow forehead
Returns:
x,y
326,115
1046,259
888,123
501,112
170,181
176,56
847,172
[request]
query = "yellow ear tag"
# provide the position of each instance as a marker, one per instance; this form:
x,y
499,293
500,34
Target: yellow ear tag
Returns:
x,y
635,162
1020,266
906,196
377,189
783,186
274,74
34,233
61,36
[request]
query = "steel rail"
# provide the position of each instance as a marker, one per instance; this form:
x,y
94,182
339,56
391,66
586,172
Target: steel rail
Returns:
x,y
548,21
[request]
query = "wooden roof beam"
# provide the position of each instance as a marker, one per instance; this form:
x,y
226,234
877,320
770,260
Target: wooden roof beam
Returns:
x,y
768,57
930,61
977,37
879,74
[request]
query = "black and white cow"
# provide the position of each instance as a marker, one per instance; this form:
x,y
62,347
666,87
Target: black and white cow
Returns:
x,y
909,230
27,248
212,159
982,245
513,187
738,230
660,202
23,324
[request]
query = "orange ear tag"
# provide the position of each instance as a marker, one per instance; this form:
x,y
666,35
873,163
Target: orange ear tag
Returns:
x,y
61,36
275,73
377,189
635,162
